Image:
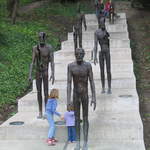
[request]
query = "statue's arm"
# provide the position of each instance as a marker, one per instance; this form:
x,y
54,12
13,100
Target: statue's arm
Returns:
x,y
108,35
32,63
84,22
69,86
51,60
95,47
92,86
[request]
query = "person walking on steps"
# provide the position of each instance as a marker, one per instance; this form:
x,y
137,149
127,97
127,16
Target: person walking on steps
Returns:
x,y
50,112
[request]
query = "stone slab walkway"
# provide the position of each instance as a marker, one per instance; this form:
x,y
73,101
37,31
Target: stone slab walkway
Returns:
x,y
116,123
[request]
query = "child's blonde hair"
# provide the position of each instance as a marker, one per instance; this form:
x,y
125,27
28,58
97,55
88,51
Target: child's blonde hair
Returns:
x,y
54,93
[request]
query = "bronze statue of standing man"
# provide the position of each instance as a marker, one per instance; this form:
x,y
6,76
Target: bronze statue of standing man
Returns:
x,y
80,72
77,34
42,54
102,36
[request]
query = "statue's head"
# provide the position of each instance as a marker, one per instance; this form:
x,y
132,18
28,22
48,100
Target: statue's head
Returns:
x,y
78,8
42,37
79,54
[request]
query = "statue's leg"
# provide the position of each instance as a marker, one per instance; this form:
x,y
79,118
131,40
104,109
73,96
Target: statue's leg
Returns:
x,y
80,38
85,103
39,92
45,82
101,63
109,18
76,103
75,40
108,66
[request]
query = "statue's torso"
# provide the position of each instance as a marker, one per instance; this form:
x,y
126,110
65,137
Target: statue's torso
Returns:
x,y
78,21
42,55
80,74
103,38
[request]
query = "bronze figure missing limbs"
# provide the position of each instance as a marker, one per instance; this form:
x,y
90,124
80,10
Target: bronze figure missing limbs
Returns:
x,y
42,54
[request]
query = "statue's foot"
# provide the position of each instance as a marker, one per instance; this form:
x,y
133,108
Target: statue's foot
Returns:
x,y
44,116
77,146
85,146
40,116
109,91
103,91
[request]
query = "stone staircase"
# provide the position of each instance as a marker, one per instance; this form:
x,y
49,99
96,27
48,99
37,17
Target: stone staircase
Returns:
x,y
116,123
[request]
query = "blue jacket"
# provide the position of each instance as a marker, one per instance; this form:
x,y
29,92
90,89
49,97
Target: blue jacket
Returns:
x,y
51,106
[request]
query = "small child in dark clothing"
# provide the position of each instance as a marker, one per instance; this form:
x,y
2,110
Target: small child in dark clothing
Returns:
x,y
70,123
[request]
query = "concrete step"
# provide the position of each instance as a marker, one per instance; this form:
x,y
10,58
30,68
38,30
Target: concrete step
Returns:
x,y
90,36
117,43
111,116
100,145
29,145
110,27
29,103
108,129
118,56
87,50
90,17
118,21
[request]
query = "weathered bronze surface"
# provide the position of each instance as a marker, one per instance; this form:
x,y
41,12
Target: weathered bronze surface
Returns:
x,y
101,19
77,34
80,72
102,36
42,54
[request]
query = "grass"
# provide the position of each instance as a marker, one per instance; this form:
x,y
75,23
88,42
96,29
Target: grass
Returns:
x,y
16,42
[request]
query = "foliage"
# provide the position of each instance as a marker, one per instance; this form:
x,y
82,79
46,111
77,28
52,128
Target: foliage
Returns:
x,y
16,42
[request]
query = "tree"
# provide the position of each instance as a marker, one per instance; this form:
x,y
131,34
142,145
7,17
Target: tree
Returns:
x,y
12,7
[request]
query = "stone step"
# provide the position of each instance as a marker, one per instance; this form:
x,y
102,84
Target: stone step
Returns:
x,y
87,50
29,145
100,145
115,67
29,103
37,129
90,17
33,128
108,129
116,74
117,43
110,28
90,36
117,145
95,22
118,56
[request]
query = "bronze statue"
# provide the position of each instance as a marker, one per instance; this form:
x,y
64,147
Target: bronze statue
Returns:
x,y
42,54
80,72
77,34
101,19
102,36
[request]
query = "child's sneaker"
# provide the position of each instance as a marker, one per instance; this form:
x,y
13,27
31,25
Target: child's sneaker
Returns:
x,y
50,143
69,142
54,140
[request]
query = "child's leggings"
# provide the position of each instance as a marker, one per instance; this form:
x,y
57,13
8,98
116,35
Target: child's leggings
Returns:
x,y
52,128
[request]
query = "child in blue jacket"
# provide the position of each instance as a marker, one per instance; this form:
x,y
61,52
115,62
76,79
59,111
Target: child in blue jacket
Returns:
x,y
50,112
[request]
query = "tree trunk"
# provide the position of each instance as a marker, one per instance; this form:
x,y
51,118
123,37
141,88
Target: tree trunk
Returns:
x,y
14,13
